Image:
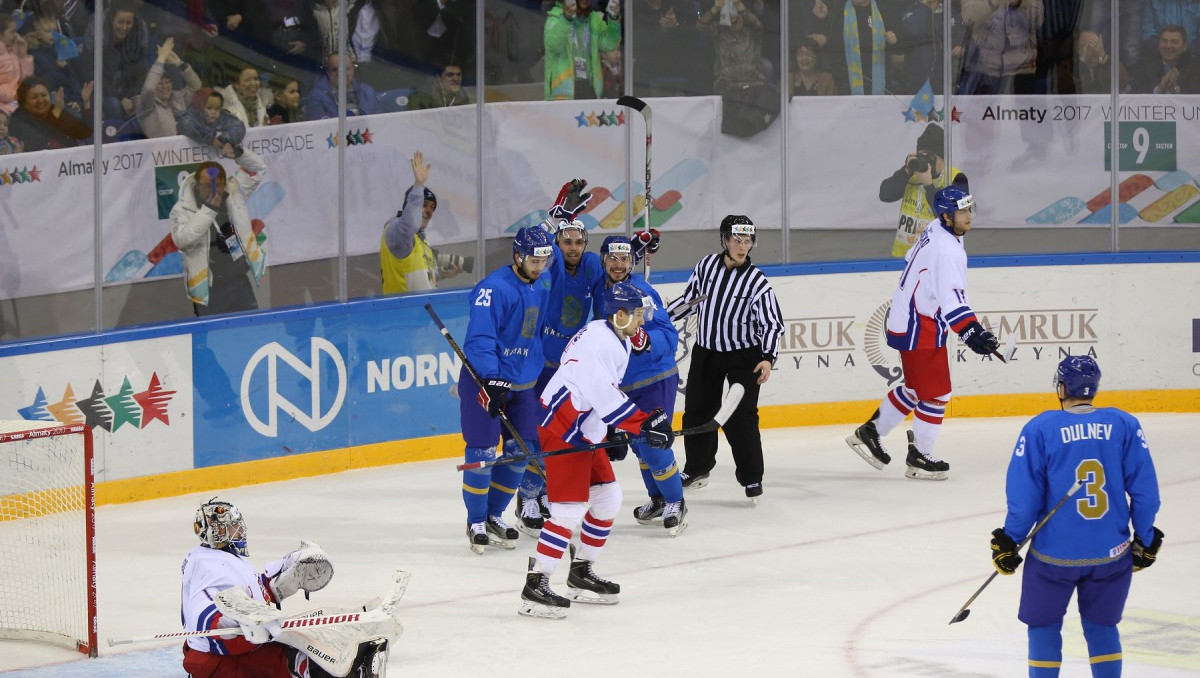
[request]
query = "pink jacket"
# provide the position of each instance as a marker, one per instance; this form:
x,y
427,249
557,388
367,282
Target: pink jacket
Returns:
x,y
13,70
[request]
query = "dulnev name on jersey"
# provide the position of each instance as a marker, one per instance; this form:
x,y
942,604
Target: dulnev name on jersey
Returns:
x,y
1086,432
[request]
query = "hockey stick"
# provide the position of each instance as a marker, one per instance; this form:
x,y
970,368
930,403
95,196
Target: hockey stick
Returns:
x,y
643,108
512,430
1009,349
694,301
727,407
965,609
385,611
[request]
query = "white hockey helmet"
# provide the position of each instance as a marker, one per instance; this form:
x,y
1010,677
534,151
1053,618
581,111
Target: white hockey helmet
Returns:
x,y
220,525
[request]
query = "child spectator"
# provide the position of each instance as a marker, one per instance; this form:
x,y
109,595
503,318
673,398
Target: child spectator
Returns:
x,y
289,105
159,103
8,145
56,60
16,64
214,126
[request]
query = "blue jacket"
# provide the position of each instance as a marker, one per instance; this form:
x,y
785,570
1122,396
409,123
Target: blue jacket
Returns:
x,y
323,99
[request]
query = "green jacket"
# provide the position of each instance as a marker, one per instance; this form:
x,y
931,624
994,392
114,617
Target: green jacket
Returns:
x,y
560,51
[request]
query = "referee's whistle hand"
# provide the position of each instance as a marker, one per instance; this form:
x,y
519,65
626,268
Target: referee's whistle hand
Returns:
x,y
763,370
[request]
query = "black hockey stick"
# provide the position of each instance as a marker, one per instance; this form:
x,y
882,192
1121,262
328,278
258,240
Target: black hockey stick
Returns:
x,y
642,107
512,430
965,609
732,398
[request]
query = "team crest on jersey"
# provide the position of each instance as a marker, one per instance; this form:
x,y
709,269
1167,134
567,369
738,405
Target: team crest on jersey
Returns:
x,y
529,326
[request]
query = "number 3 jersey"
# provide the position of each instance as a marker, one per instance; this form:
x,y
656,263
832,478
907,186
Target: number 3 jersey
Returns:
x,y
932,293
1106,449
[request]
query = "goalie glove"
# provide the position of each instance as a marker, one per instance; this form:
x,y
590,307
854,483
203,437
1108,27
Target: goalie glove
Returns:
x,y
640,341
1004,552
571,200
979,339
1143,555
307,568
494,396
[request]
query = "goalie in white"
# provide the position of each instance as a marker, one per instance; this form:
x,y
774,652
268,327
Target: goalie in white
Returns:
x,y
219,563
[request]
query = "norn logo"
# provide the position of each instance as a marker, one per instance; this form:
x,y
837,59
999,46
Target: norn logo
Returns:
x,y
403,372
108,412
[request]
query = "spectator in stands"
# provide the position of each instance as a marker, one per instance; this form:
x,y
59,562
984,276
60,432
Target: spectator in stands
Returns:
x,y
16,63
1129,18
59,64
325,17
812,19
1056,46
214,126
127,55
1002,56
212,229
441,27
748,104
1175,71
573,38
668,59
245,98
323,99
8,144
808,79
289,105
860,41
285,29
1158,14
1093,72
918,48
41,123
406,261
159,102
447,90
72,16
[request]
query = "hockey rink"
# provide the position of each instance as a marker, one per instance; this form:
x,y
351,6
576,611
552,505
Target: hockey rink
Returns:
x,y
841,571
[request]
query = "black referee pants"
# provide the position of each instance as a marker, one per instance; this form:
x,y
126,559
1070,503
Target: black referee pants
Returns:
x,y
707,374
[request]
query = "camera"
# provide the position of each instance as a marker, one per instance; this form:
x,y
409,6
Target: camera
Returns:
x,y
919,163
467,264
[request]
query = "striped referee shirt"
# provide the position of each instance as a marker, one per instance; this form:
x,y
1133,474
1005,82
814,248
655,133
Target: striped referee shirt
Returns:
x,y
741,310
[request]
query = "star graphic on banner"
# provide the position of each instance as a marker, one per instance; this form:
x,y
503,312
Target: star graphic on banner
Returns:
x,y
955,115
602,119
331,140
358,139
16,176
612,118
65,410
936,115
154,402
581,119
910,115
25,175
5,178
621,117
366,135
592,121
124,407
36,410
35,173
96,412
349,138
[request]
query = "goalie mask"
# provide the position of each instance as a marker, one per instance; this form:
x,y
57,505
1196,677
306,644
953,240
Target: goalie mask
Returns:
x,y
219,525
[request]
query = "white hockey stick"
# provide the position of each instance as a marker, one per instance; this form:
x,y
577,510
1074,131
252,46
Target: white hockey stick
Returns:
x,y
384,613
647,114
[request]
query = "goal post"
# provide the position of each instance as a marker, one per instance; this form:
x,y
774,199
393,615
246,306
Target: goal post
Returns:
x,y
47,534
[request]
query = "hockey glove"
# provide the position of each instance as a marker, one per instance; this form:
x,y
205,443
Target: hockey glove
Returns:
x,y
640,341
645,242
979,340
657,429
1144,556
262,633
571,200
1004,552
618,452
494,396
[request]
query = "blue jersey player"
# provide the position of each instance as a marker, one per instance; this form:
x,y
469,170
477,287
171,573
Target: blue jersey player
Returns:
x,y
504,345
651,381
1086,546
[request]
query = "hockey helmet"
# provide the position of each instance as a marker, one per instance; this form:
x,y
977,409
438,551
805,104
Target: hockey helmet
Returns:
x,y
572,225
616,245
737,224
1079,376
625,295
219,525
951,199
533,241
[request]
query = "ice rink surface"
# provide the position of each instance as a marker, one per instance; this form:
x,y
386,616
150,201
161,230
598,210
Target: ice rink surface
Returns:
x,y
840,571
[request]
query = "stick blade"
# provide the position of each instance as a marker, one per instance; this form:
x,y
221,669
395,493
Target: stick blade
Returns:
x,y
632,102
736,391
1010,347
962,614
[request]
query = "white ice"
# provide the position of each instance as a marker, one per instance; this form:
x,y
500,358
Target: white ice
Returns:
x,y
840,571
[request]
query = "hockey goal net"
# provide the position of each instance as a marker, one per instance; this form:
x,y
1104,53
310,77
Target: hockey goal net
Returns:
x,y
47,534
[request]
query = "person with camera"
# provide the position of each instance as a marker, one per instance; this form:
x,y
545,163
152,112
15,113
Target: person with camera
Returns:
x,y
915,183
406,261
211,226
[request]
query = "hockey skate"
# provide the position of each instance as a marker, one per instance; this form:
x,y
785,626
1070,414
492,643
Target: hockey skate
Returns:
x,y
674,515
923,466
865,441
477,537
584,586
501,534
529,516
652,510
754,492
539,600
694,482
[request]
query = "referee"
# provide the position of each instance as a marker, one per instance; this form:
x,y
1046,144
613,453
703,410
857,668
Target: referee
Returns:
x,y
738,341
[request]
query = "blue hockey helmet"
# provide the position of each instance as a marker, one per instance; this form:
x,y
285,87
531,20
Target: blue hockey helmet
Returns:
x,y
1079,376
951,199
533,241
616,244
625,295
